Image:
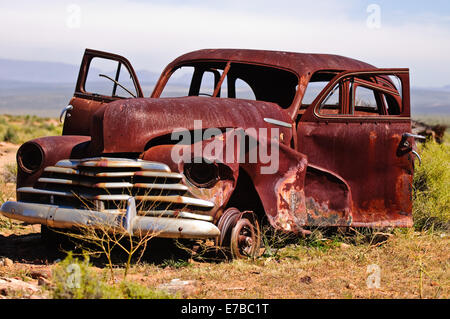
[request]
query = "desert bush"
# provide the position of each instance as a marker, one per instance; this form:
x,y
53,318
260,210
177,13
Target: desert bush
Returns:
x,y
10,173
11,135
431,187
76,279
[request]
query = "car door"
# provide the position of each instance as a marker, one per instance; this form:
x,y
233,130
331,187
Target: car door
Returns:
x,y
355,129
103,77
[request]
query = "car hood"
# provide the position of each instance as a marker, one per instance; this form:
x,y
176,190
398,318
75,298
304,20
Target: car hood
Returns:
x,y
129,125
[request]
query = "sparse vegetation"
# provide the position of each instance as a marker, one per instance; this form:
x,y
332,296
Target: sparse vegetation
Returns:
x,y
75,279
18,129
431,200
107,239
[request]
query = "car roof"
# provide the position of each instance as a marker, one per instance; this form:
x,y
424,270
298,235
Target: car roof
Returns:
x,y
301,63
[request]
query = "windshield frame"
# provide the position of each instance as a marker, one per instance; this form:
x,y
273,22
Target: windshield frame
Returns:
x,y
171,68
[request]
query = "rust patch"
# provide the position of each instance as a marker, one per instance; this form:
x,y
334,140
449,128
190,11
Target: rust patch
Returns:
x,y
291,209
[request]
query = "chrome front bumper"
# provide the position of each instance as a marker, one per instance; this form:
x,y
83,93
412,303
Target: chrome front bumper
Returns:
x,y
67,217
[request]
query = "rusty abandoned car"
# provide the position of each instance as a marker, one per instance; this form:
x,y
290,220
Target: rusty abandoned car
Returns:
x,y
335,133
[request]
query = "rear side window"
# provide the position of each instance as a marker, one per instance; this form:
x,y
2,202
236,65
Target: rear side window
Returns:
x,y
179,82
365,102
374,97
317,83
362,96
331,104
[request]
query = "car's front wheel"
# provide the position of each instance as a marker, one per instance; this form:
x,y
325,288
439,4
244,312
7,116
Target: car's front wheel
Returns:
x,y
240,234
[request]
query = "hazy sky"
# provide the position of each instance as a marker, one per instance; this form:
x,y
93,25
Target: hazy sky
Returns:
x,y
413,34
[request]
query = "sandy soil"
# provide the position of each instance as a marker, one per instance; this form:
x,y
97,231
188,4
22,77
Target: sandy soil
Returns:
x,y
7,154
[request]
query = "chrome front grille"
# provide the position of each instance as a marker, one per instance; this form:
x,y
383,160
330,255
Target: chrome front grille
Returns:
x,y
107,183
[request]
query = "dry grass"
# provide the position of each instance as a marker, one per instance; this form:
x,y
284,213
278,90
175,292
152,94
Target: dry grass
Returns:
x,y
413,265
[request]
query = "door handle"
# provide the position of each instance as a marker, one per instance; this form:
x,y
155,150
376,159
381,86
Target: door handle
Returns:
x,y
404,142
416,136
64,111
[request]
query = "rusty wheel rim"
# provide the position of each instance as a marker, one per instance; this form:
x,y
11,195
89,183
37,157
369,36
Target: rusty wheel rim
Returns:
x,y
245,240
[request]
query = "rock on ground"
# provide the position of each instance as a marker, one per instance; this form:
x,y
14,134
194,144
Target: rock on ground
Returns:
x,y
9,285
184,287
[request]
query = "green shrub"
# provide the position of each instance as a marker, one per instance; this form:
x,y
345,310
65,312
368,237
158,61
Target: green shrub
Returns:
x,y
431,206
74,279
176,264
11,135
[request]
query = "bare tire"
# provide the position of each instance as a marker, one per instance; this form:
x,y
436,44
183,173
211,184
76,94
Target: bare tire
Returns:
x,y
245,239
240,234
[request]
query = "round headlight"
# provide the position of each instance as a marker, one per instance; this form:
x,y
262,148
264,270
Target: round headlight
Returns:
x,y
202,174
30,157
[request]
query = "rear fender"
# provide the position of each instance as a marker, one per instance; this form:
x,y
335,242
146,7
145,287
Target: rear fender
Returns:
x,y
328,198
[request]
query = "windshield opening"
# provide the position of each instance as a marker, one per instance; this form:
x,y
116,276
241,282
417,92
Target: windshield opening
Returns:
x,y
242,81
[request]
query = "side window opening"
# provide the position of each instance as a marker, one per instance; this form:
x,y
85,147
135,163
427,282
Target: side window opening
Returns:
x,y
362,95
316,84
107,77
331,104
365,103
377,98
243,81
179,82
208,83
243,90
392,105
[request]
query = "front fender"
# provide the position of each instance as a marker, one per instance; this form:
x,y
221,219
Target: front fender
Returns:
x,y
293,193
53,149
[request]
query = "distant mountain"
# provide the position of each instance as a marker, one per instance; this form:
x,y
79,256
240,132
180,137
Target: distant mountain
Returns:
x,y
147,77
37,72
51,72
430,100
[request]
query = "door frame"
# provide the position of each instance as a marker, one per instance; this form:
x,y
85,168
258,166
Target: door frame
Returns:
x,y
312,113
89,54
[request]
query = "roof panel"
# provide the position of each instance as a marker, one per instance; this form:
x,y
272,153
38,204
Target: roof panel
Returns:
x,y
301,63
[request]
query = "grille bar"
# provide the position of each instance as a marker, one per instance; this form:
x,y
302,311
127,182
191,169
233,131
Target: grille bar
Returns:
x,y
109,180
176,199
114,163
